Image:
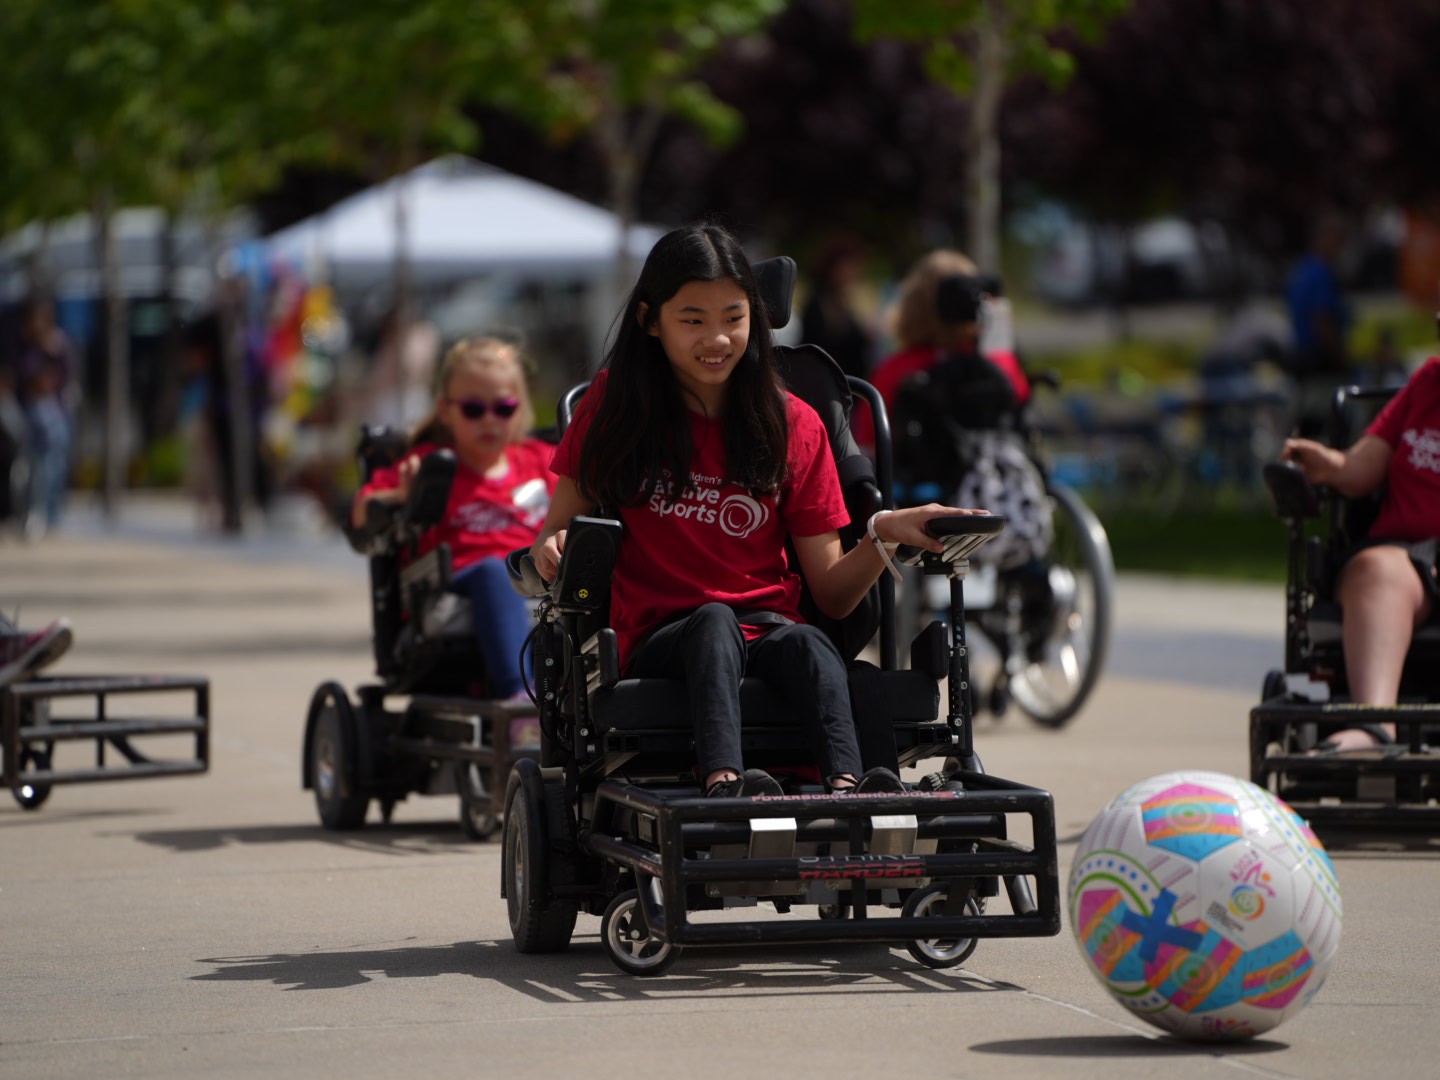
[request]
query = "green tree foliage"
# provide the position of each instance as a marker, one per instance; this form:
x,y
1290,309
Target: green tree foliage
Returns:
x,y
1256,116
976,48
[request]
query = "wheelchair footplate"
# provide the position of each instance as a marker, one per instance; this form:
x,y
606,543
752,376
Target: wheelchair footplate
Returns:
x,y
936,857
37,715
1390,783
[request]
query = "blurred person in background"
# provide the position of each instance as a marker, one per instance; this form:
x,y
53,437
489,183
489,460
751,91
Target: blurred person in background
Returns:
x,y
402,380
204,359
14,469
925,334
829,318
47,393
1320,321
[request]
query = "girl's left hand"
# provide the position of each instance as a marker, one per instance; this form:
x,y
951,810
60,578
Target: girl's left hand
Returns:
x,y
907,526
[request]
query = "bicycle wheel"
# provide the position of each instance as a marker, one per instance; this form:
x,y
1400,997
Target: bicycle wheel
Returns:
x,y
1050,678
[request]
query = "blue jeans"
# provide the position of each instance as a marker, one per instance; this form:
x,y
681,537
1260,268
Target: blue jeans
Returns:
x,y
709,652
501,620
49,444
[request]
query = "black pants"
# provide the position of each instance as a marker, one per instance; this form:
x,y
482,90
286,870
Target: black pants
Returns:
x,y
709,652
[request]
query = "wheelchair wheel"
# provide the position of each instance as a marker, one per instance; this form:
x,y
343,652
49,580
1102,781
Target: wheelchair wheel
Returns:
x,y
538,924
938,952
628,943
332,761
32,796
478,819
1059,670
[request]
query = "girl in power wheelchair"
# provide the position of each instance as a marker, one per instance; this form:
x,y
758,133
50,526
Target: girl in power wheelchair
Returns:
x,y
690,437
1387,585
498,499
734,520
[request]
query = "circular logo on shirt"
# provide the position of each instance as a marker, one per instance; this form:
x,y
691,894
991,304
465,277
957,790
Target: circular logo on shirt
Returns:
x,y
741,515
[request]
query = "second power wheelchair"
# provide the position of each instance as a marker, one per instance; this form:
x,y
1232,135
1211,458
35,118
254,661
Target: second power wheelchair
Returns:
x,y
1395,783
611,822
427,724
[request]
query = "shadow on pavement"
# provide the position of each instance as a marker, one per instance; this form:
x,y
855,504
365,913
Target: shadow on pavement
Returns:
x,y
1127,1046
1351,843
583,974
426,838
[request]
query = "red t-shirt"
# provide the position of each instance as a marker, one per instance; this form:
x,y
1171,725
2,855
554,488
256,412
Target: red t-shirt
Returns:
x,y
715,541
487,517
1410,423
896,368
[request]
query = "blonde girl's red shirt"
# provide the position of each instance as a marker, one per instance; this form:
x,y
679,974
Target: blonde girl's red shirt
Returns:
x,y
714,541
1410,423
487,517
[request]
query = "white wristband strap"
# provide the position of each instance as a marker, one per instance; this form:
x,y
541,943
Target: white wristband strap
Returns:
x,y
882,546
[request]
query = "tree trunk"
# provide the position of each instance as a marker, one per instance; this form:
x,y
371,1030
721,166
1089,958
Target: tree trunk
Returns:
x,y
117,360
234,368
982,158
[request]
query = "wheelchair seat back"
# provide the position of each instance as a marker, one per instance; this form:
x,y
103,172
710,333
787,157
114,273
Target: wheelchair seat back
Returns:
x,y
421,634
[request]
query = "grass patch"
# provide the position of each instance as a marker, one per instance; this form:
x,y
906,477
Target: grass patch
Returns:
x,y
1233,545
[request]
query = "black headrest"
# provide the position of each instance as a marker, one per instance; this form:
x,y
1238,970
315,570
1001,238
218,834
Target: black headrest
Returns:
x,y
776,280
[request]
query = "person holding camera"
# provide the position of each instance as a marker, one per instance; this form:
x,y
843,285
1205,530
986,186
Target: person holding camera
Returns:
x,y
940,312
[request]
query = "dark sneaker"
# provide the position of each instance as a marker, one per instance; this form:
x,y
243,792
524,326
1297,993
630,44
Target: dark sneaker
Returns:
x,y
752,783
25,654
879,781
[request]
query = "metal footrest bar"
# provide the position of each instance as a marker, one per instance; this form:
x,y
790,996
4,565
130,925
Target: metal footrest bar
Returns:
x,y
29,730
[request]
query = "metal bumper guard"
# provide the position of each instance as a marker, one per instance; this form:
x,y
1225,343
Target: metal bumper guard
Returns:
x,y
754,847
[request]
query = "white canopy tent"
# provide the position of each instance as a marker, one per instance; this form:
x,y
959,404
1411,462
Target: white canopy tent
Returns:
x,y
462,219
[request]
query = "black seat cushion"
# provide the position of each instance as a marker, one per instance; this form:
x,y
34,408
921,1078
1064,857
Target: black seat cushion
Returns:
x,y
897,715
661,705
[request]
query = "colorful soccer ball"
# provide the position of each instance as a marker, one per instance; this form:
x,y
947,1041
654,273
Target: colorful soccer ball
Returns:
x,y
1205,905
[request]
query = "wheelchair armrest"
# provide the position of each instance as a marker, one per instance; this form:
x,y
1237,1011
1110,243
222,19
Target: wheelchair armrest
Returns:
x,y
1294,497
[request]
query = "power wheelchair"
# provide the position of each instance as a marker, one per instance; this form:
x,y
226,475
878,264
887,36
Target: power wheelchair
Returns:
x,y
1047,616
426,725
1393,784
611,820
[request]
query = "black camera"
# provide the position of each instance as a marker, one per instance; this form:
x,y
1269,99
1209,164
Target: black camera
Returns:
x,y
958,297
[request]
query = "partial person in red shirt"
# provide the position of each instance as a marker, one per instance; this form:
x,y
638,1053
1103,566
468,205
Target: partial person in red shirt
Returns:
x,y
926,333
1387,587
499,498
690,438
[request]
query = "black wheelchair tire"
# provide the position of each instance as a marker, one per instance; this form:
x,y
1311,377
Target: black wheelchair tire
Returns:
x,y
1094,556
477,820
938,953
332,764
33,796
538,922
633,955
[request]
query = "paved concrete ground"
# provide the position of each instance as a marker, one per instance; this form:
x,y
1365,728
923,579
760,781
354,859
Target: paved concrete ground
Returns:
x,y
208,926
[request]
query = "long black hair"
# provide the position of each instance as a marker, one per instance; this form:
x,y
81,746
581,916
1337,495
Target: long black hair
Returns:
x,y
640,435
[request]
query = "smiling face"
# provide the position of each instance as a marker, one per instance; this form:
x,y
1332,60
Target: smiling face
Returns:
x,y
480,441
704,329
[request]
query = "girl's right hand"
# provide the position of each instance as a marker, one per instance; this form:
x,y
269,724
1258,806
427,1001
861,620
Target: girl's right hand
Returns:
x,y
1318,462
405,476
546,553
